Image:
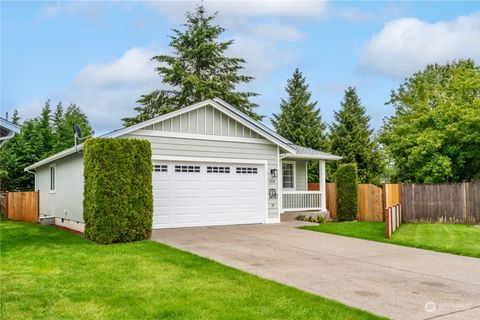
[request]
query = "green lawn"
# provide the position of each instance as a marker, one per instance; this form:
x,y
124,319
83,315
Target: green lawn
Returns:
x,y
46,273
452,238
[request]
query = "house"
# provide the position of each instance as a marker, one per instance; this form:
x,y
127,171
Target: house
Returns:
x,y
7,130
211,165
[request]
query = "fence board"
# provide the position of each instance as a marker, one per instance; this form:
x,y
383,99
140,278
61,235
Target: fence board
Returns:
x,y
370,203
391,194
447,202
331,196
22,206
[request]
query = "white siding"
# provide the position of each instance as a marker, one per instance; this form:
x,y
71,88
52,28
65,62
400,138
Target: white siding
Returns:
x,y
179,147
67,201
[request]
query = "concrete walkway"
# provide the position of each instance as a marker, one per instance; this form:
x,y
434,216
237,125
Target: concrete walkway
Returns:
x,y
389,280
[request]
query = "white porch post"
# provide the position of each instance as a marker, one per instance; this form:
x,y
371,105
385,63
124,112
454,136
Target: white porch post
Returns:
x,y
323,187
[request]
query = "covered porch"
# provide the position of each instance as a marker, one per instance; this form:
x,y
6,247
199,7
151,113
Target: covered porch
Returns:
x,y
295,196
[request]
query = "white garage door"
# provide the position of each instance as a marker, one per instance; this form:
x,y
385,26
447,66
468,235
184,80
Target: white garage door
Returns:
x,y
204,194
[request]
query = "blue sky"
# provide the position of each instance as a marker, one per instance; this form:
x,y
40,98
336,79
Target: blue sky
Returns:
x,y
97,54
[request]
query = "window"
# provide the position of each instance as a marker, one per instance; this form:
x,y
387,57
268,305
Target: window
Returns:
x,y
246,170
288,175
218,169
187,168
160,168
53,170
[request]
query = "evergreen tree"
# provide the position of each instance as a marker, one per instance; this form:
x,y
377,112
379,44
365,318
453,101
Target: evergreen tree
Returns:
x,y
46,135
352,139
198,69
58,115
15,117
39,138
299,119
64,131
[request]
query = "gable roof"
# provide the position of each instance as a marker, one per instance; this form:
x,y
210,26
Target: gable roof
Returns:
x,y
218,104
10,126
221,106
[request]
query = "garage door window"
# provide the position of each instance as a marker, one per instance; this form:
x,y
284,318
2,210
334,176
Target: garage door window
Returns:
x,y
187,168
160,168
211,169
246,170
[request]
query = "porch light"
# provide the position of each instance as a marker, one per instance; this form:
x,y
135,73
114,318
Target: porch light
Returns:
x,y
273,173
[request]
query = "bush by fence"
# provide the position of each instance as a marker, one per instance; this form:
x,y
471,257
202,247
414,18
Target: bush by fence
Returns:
x,y
118,203
347,192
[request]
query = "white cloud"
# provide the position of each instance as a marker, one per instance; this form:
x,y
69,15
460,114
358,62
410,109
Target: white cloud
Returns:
x,y
107,92
134,65
263,57
406,45
355,14
249,8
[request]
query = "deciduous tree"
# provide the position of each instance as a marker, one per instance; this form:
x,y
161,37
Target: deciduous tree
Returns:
x,y
434,135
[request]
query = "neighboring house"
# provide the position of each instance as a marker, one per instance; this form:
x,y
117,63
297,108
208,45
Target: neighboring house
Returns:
x,y
211,165
7,130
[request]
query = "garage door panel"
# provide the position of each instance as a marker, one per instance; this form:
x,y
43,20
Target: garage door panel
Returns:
x,y
161,219
184,199
188,219
161,202
160,185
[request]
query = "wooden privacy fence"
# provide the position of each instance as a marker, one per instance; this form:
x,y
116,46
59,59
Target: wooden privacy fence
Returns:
x,y
370,201
447,202
393,219
21,206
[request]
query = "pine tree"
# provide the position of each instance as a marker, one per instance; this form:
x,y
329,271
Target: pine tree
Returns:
x,y
300,121
352,139
64,131
15,117
198,69
45,132
58,115
39,138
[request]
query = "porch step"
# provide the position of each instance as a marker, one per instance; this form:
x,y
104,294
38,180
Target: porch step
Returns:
x,y
290,216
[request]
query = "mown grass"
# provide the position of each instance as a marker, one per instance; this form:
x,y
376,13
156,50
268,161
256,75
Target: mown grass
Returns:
x,y
46,273
450,238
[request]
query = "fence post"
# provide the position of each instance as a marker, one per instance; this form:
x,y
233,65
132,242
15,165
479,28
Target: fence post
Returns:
x,y
464,185
386,224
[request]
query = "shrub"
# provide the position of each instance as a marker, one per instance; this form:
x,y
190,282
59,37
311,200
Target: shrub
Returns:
x,y
347,192
118,201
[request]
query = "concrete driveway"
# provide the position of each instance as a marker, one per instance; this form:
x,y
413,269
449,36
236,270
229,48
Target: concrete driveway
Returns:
x,y
389,280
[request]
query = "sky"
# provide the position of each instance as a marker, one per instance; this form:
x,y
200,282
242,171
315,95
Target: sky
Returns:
x,y
97,54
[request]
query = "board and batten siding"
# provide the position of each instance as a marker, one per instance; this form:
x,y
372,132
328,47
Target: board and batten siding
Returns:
x,y
67,200
215,149
206,121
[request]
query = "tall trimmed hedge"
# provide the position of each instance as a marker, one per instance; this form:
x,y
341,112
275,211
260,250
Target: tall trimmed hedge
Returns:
x,y
347,192
118,201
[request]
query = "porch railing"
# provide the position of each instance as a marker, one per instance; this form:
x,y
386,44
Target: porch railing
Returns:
x,y
301,200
